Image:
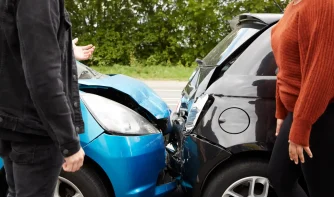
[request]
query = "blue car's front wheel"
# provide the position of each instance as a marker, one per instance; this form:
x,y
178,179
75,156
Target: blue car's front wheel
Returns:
x,y
83,183
3,184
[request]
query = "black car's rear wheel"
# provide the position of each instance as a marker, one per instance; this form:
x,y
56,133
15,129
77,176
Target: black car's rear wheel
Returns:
x,y
241,179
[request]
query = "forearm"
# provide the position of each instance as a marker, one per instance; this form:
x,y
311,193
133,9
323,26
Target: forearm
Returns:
x,y
38,22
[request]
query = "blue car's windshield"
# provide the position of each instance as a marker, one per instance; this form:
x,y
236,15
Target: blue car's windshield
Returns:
x,y
228,45
84,72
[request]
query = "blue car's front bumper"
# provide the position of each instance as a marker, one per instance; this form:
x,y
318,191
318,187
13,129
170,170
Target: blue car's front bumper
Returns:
x,y
132,163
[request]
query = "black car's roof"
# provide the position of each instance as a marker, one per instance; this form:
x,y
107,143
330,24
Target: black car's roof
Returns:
x,y
261,18
265,18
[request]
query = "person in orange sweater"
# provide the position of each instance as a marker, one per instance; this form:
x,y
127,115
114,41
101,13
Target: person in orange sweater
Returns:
x,y
303,46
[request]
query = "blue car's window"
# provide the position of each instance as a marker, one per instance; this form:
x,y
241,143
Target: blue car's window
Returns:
x,y
228,45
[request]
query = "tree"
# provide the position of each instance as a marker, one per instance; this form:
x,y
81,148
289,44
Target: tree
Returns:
x,y
157,31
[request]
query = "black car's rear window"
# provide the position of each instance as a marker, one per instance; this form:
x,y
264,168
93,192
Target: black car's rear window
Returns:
x,y
229,44
262,61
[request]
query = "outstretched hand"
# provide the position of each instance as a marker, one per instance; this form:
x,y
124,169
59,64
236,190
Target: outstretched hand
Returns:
x,y
82,52
296,152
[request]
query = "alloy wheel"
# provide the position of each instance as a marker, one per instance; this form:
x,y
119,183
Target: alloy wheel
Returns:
x,y
66,188
254,186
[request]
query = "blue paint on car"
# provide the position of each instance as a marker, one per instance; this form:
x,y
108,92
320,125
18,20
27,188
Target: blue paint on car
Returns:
x,y
133,170
132,163
138,90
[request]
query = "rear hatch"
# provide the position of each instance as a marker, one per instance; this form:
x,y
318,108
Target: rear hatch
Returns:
x,y
245,28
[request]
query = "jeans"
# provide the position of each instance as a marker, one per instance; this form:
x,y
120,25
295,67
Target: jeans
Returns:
x,y
318,171
32,169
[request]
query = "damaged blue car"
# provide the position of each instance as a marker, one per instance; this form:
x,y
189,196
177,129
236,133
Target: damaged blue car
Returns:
x,y
125,124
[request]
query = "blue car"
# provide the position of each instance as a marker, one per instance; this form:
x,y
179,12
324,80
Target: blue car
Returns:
x,y
125,124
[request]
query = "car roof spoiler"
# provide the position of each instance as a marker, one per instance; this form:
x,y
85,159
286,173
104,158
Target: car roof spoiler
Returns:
x,y
260,18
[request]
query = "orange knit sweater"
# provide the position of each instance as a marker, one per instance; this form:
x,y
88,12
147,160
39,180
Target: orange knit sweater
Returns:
x,y
303,46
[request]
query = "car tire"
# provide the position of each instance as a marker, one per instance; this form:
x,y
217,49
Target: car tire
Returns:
x,y
246,171
87,182
186,193
3,185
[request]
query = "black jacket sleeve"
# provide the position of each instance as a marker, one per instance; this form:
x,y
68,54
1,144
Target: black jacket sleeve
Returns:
x,y
37,24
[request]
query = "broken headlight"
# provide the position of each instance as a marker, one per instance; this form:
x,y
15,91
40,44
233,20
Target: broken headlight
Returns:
x,y
116,118
195,112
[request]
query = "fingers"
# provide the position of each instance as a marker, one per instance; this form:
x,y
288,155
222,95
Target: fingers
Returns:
x,y
64,166
83,54
85,57
89,51
278,126
75,40
68,167
81,164
78,164
300,152
74,162
277,130
296,152
308,152
293,153
90,46
73,166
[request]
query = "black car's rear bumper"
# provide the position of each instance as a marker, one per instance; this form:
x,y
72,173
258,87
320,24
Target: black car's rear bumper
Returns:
x,y
194,158
175,144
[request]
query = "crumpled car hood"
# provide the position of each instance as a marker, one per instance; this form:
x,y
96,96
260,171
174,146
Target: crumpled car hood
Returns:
x,y
138,90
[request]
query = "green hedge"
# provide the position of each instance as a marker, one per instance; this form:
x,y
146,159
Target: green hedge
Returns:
x,y
156,32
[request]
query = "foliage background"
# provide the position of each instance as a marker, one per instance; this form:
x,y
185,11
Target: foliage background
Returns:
x,y
156,32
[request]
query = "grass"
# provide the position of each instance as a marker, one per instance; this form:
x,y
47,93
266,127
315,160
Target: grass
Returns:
x,y
179,73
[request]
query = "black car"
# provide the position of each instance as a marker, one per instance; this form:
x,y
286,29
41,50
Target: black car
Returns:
x,y
224,126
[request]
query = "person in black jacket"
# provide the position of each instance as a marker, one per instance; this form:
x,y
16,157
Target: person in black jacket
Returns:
x,y
40,116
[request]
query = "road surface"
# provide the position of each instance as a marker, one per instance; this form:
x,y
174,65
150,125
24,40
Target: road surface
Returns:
x,y
169,91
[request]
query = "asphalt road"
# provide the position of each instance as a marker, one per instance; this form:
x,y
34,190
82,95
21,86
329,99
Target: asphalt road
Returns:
x,y
169,91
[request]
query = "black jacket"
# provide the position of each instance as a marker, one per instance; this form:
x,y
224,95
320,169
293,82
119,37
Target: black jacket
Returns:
x,y
38,76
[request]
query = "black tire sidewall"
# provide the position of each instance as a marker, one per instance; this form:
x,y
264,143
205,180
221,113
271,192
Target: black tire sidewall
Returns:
x,y
186,193
3,186
225,177
87,181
